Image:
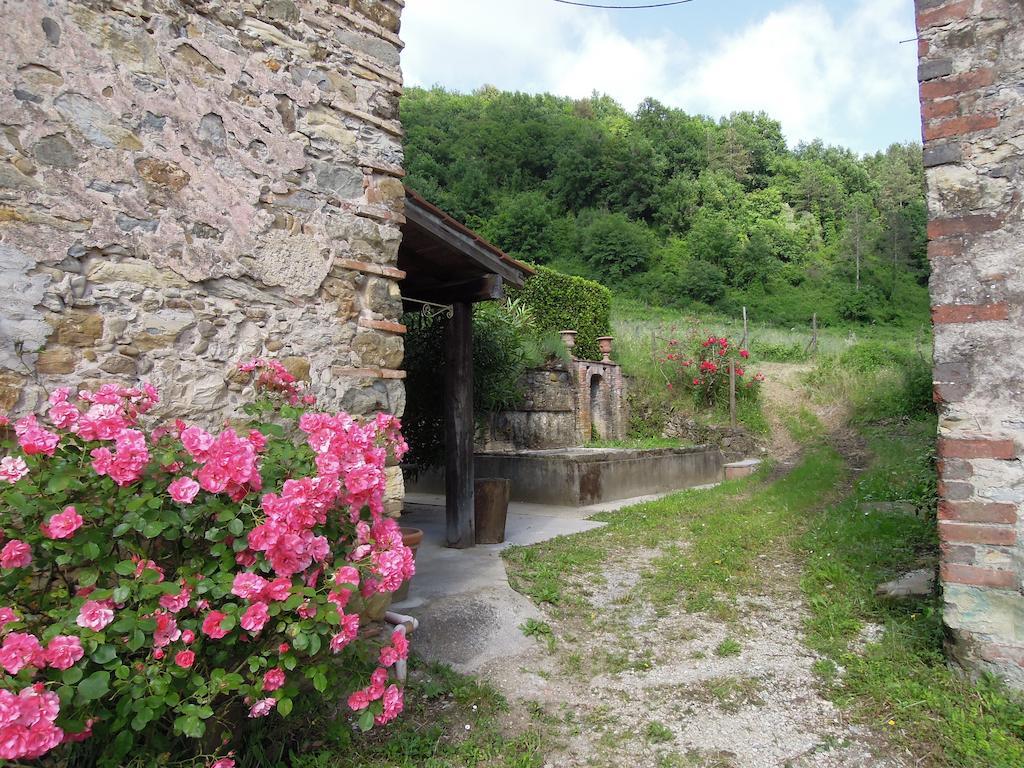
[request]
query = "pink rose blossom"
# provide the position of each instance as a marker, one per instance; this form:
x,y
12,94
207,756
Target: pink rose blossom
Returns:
x,y
197,442
183,490
262,707
249,586
166,631
358,700
255,617
27,727
212,625
185,659
158,654
95,615
63,415
15,554
273,679
33,439
348,633
176,603
63,651
188,636
393,705
63,525
224,762
7,616
20,650
12,468
279,589
127,462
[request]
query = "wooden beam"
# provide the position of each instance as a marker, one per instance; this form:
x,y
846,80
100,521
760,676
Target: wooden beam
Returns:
x,y
462,243
486,288
458,427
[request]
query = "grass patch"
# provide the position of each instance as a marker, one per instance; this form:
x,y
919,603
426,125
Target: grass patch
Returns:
x,y
901,684
709,541
728,647
657,733
540,630
638,443
450,721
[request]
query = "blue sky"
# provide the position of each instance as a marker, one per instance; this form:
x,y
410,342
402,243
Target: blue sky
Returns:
x,y
829,69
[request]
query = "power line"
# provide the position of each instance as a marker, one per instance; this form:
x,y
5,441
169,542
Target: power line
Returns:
x,y
624,7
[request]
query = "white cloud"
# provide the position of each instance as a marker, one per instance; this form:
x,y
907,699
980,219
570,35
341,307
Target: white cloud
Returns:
x,y
820,76
820,73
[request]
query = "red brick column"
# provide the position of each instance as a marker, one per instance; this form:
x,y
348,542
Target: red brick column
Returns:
x,y
971,55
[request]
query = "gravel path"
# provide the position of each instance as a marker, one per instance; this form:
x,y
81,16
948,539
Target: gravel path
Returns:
x,y
671,701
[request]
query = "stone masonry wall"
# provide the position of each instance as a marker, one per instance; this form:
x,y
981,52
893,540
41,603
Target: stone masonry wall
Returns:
x,y
972,105
187,184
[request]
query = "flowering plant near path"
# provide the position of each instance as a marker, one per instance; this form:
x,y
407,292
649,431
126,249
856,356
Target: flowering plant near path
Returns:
x,y
160,585
699,364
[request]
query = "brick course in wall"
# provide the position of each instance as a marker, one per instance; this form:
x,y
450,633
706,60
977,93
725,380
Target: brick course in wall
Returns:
x,y
972,107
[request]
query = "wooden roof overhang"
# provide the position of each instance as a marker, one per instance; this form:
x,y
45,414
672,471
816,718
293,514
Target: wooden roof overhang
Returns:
x,y
446,262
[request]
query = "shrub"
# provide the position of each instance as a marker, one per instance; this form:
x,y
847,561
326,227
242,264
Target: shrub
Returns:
x,y
779,352
866,356
615,246
699,365
153,599
560,302
703,281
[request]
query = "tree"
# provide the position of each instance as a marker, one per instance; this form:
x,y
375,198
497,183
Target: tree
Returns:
x,y
616,247
861,230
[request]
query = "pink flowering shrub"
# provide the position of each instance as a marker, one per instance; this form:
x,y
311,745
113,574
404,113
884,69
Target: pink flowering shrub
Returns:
x,y
161,583
698,364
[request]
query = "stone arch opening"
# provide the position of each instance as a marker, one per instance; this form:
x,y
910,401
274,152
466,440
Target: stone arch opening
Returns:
x,y
599,406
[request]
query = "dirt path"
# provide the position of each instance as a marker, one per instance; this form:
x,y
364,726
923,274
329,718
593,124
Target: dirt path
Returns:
x,y
621,683
684,690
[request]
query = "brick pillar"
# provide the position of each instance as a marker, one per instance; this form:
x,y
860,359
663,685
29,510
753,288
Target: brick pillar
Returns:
x,y
972,110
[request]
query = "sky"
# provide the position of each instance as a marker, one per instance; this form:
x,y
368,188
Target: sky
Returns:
x,y
828,69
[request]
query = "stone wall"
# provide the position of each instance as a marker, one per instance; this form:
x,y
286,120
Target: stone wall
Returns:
x,y
185,184
972,105
564,405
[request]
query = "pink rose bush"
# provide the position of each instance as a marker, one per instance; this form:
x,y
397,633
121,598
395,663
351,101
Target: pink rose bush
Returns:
x,y
698,365
161,580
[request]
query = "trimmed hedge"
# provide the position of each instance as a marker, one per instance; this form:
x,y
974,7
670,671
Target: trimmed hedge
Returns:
x,y
561,302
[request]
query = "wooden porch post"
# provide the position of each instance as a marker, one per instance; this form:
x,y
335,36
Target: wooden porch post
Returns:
x,y
458,426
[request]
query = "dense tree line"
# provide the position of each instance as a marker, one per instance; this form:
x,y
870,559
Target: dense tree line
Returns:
x,y
677,209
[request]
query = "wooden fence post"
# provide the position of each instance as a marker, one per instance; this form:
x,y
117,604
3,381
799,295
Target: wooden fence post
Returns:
x,y
732,392
812,345
743,344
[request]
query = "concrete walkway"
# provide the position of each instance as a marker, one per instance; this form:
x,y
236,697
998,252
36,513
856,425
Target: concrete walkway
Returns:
x,y
468,613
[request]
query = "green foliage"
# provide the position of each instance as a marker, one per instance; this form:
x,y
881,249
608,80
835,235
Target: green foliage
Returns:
x,y
728,647
560,302
615,247
677,209
703,282
880,380
793,352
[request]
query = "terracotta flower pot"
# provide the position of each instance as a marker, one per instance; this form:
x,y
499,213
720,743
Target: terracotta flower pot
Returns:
x,y
605,343
411,537
568,338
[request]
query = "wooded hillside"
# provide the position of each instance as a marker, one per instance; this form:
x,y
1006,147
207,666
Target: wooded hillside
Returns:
x,y
679,210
